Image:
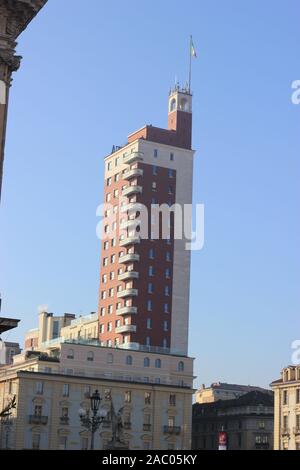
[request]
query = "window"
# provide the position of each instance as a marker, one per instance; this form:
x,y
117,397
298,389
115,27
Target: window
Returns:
x,y
38,410
129,360
116,193
113,259
154,170
105,261
108,197
149,324
285,397
55,331
110,358
172,157
111,292
70,354
170,190
102,328
165,343
150,288
108,181
298,395
166,308
154,186
66,390
146,362
168,256
109,166
36,439
172,400
147,398
261,425
90,356
152,253
127,397
148,341
84,443
166,325
65,412
151,271
168,273
110,309
167,291
155,153
180,366
109,326
158,363
149,305
63,442
103,295
117,161
39,388
171,421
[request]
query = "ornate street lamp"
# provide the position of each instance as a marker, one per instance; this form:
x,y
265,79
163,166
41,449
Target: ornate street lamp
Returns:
x,y
91,419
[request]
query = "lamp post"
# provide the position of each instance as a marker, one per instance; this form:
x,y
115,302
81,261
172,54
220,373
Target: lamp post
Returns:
x,y
91,419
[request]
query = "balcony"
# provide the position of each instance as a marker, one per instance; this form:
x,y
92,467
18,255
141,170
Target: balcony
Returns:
x,y
128,275
130,223
175,430
146,427
134,189
130,241
132,207
133,157
134,173
127,311
127,293
64,420
285,431
131,257
126,329
36,419
296,430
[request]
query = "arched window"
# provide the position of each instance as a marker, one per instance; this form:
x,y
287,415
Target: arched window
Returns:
x,y
184,104
146,362
158,363
181,366
173,105
129,360
90,356
110,358
70,354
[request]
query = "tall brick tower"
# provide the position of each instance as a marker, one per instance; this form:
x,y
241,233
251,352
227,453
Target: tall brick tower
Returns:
x,y
144,285
15,15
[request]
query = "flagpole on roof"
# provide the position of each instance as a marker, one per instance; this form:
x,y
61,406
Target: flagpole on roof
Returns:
x,y
190,71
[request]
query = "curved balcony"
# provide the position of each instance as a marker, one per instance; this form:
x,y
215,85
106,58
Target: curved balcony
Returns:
x,y
133,157
128,275
134,173
127,311
130,241
127,293
126,329
129,258
129,223
133,189
132,207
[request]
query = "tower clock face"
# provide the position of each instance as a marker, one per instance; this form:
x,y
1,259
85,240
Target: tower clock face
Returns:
x,y
2,92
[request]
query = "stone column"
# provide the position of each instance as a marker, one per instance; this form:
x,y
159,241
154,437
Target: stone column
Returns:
x,y
15,15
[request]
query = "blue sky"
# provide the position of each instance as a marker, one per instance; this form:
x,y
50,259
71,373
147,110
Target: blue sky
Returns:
x,y
89,77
